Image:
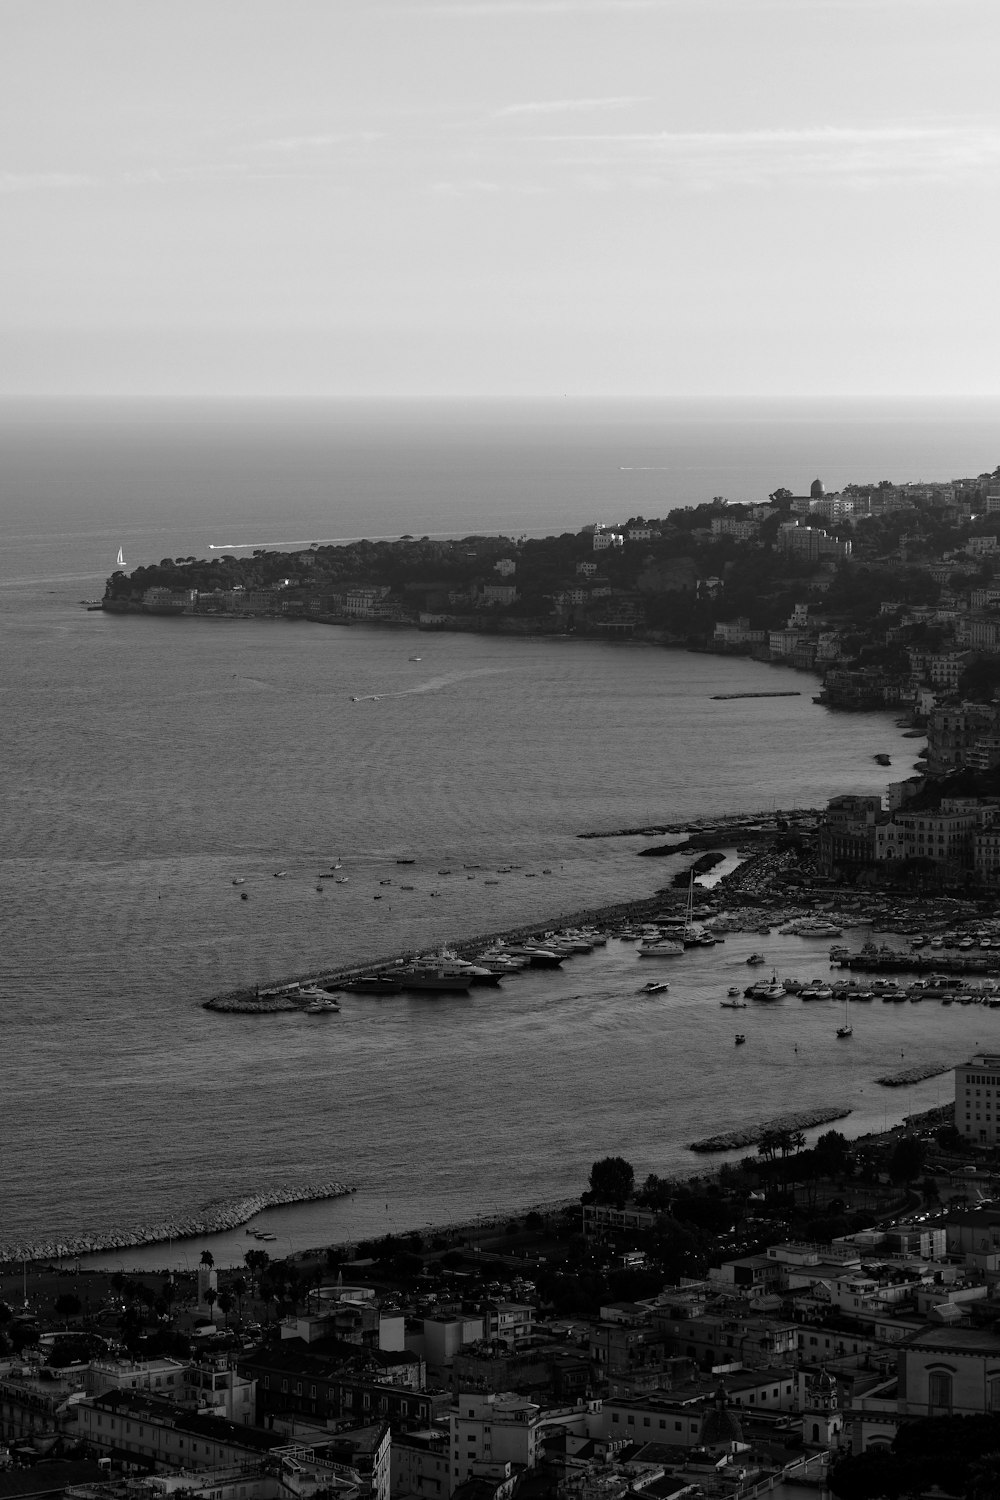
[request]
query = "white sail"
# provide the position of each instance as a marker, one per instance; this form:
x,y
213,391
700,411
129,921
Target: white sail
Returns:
x,y
121,558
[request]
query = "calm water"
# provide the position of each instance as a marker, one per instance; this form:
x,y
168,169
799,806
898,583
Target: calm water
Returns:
x,y
149,763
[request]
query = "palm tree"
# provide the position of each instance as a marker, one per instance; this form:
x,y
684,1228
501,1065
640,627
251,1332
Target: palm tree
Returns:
x,y
226,1305
238,1286
211,1297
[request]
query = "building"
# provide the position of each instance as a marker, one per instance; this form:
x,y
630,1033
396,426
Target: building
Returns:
x,y
499,1428
155,1432
736,633
811,543
977,1098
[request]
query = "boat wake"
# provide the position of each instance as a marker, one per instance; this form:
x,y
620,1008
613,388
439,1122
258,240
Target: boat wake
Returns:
x,y
432,685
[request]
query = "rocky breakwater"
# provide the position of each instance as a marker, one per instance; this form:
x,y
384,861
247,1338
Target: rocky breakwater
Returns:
x,y
751,1135
230,1213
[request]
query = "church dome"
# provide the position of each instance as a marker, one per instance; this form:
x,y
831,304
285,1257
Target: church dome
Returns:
x,y
720,1426
816,490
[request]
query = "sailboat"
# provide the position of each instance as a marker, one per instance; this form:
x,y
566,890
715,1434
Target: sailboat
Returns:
x,y
121,558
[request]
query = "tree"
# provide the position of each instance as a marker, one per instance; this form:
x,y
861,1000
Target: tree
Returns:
x,y
211,1297
831,1155
907,1159
257,1262
68,1305
225,1301
612,1180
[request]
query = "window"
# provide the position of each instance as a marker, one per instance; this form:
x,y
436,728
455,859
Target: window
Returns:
x,y
938,1393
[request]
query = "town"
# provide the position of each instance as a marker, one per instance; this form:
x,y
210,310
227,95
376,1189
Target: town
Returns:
x,y
825,1315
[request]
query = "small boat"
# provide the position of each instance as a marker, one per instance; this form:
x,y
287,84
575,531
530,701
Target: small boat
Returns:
x,y
733,1004
244,896
733,989
238,880
740,1038
341,880
404,861
281,874
416,658
882,759
406,887
321,1007
845,1031
756,958
655,987
121,557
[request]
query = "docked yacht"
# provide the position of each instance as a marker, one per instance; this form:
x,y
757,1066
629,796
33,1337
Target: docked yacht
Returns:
x,y
661,947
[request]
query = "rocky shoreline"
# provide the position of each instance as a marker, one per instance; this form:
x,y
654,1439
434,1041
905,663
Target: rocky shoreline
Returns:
x,y
751,1135
228,1214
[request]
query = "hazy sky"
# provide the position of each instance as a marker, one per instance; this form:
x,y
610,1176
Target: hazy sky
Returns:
x,y
511,197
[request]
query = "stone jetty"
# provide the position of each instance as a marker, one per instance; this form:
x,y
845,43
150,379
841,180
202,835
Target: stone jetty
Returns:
x,y
230,1213
914,1075
750,1135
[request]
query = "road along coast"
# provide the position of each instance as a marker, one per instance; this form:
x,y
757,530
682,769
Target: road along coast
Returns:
x,y
228,1214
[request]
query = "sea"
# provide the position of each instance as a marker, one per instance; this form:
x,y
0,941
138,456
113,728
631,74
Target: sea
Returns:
x,y
151,763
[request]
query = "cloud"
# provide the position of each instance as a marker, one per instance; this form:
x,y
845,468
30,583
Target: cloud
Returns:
x,y
321,142
857,155
34,182
571,106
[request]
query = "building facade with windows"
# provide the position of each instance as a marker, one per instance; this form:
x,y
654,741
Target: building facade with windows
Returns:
x,y
977,1098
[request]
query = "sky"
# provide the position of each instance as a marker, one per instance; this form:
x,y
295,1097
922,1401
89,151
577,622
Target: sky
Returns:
x,y
499,198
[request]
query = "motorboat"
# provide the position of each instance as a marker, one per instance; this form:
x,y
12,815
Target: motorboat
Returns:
x,y
756,958
659,948
374,984
845,1031
655,987
767,992
435,977
740,1038
538,957
735,1004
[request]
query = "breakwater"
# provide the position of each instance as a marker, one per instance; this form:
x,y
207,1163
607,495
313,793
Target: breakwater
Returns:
x,y
751,1135
895,961
724,825
724,697
275,999
914,1075
230,1213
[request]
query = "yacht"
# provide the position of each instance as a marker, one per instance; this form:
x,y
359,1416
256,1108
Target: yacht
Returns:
x,y
659,948
844,1031
655,987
